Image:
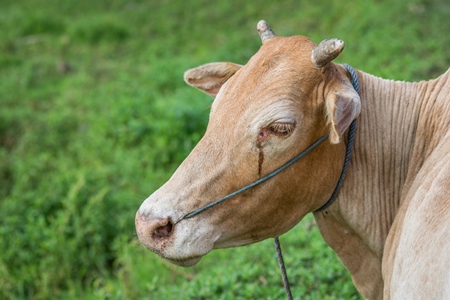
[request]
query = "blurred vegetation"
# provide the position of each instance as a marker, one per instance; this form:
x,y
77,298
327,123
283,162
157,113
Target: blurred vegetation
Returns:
x,y
94,116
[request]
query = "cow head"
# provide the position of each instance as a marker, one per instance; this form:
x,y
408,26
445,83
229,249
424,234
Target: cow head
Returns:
x,y
264,113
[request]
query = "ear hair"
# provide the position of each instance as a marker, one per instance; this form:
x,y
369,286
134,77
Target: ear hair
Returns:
x,y
343,106
209,78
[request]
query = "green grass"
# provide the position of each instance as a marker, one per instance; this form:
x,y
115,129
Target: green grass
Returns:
x,y
94,116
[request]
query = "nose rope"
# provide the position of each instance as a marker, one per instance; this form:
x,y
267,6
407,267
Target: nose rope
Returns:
x,y
261,180
351,136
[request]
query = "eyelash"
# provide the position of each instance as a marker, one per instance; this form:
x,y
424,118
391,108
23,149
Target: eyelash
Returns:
x,y
282,129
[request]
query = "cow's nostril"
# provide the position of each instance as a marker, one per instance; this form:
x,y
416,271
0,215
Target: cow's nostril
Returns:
x,y
163,231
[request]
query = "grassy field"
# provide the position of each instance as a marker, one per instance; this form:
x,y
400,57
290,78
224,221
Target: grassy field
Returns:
x,y
94,116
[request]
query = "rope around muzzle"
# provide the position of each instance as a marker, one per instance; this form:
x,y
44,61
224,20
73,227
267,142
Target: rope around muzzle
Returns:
x,y
351,137
259,181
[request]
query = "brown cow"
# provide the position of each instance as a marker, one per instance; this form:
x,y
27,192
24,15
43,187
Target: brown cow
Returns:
x,y
390,224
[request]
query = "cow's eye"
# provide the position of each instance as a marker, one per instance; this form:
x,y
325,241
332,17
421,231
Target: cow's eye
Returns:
x,y
282,129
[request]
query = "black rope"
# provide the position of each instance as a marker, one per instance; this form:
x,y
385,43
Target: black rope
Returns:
x,y
348,152
353,77
351,138
261,180
284,276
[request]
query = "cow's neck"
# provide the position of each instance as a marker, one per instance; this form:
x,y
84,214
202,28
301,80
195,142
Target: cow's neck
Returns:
x,y
357,225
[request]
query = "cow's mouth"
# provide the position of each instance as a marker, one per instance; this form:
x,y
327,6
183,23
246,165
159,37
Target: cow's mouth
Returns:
x,y
185,262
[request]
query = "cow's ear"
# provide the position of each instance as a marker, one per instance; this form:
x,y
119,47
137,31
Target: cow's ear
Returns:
x,y
343,106
209,78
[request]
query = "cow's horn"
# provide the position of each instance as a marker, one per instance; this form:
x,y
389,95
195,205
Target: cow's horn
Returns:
x,y
265,32
326,51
